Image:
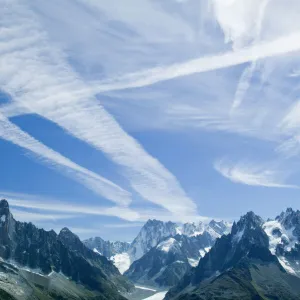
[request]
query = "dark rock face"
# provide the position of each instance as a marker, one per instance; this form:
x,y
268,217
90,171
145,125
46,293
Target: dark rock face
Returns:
x,y
46,251
276,232
246,242
107,248
290,219
228,250
163,267
248,280
7,233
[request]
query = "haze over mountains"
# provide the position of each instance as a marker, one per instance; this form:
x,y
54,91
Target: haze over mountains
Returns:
x,y
249,259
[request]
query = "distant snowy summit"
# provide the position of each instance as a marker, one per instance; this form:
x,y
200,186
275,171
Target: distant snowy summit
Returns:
x,y
154,231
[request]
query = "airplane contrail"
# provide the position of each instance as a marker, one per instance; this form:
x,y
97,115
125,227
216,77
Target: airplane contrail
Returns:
x,y
282,45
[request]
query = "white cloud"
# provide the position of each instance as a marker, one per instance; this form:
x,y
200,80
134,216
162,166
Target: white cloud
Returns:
x,y
36,75
43,208
140,19
253,174
239,20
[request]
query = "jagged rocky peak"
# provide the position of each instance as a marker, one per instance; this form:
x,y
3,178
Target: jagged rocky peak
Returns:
x,y
4,209
220,227
107,248
247,222
289,218
249,232
70,239
7,230
67,236
153,223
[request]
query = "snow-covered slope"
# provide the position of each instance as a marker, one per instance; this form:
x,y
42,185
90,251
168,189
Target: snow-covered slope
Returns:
x,y
284,239
121,261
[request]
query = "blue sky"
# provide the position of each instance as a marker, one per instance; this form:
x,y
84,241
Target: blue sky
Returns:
x,y
115,112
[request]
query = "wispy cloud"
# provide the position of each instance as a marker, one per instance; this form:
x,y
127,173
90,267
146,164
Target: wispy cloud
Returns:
x,y
253,174
53,159
25,216
43,208
290,124
124,225
48,86
49,205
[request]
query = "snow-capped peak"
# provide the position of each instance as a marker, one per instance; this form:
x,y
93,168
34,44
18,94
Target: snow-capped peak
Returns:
x,y
192,229
150,235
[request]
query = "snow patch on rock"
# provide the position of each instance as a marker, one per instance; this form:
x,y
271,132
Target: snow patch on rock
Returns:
x,y
166,245
279,235
96,251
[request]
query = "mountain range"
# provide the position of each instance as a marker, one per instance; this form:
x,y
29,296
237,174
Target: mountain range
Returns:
x,y
249,259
